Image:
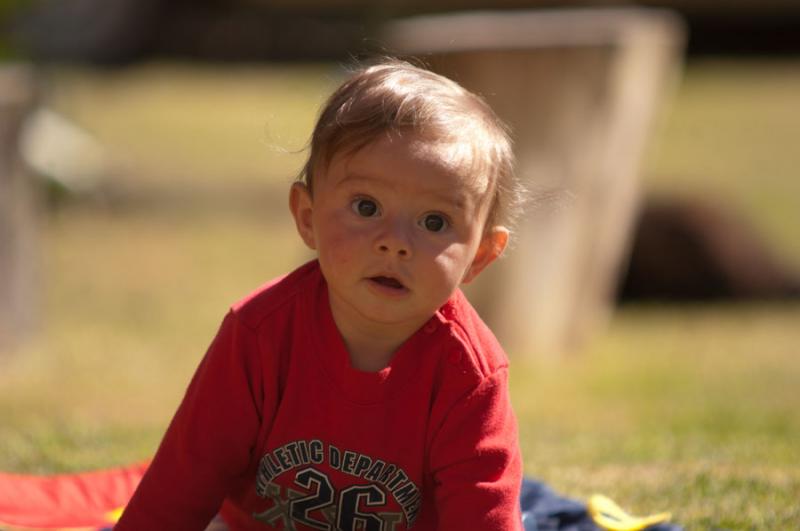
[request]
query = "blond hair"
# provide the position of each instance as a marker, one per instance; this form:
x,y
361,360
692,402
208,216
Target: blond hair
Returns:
x,y
395,96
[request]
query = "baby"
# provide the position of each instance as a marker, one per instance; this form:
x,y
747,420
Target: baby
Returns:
x,y
362,391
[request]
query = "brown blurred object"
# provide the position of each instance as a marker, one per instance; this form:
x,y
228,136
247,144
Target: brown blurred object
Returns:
x,y
118,31
579,89
695,249
18,223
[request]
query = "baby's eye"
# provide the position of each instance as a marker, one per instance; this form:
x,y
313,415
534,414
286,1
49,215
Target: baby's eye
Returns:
x,y
434,222
364,207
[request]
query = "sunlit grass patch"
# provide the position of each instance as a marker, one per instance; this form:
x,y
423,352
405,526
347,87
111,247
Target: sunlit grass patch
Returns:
x,y
199,123
688,409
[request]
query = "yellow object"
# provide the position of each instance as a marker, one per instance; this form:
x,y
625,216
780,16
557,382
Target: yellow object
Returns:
x,y
113,516
611,517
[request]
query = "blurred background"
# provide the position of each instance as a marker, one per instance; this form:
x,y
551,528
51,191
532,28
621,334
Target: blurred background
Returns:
x,y
146,149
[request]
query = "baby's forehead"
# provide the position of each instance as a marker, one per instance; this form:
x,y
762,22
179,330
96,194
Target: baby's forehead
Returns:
x,y
457,157
464,157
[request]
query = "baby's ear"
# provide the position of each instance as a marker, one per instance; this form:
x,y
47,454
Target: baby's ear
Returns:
x,y
492,245
301,205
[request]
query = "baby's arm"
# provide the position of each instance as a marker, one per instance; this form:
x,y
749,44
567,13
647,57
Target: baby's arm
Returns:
x,y
476,461
209,442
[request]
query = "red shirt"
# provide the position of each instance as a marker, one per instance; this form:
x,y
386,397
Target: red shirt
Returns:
x,y
278,431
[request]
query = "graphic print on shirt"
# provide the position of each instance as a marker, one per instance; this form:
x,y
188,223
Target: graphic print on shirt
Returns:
x,y
314,501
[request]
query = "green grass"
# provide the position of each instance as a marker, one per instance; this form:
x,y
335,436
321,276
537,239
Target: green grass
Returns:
x,y
688,409
193,124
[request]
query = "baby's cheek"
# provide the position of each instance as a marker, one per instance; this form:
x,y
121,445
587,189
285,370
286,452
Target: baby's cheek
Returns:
x,y
340,245
450,264
452,254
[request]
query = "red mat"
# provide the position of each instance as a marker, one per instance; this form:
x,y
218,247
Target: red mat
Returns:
x,y
90,500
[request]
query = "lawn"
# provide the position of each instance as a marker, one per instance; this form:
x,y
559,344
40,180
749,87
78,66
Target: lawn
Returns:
x,y
692,409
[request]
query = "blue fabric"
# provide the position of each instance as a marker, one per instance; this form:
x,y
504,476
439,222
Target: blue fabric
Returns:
x,y
544,510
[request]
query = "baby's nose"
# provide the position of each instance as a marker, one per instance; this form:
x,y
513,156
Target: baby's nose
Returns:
x,y
394,240
401,250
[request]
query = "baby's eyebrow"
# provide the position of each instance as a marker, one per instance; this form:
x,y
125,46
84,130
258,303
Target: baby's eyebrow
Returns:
x,y
350,177
457,201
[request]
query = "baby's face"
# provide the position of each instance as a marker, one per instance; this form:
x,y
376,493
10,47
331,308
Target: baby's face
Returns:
x,y
397,227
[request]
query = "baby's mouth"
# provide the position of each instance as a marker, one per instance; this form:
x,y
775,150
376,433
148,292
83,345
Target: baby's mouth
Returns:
x,y
388,282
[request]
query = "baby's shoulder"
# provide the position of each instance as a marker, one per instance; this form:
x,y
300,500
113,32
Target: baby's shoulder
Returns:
x,y
276,297
472,348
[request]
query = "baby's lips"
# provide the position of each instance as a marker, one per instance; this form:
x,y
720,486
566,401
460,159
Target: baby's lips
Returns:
x,y
388,281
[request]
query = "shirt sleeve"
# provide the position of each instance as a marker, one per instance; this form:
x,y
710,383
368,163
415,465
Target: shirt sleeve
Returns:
x,y
210,441
476,461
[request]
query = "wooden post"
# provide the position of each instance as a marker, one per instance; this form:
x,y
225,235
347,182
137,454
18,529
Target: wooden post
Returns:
x,y
18,232
579,89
